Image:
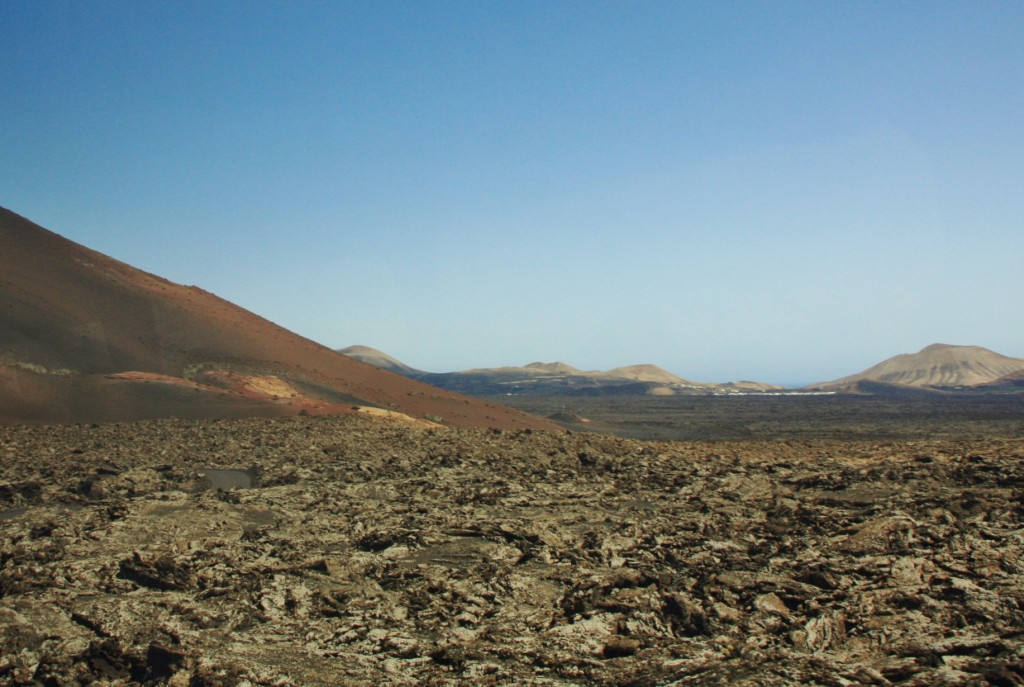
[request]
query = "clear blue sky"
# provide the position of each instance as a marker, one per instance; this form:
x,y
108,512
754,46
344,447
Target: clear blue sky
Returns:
x,y
780,191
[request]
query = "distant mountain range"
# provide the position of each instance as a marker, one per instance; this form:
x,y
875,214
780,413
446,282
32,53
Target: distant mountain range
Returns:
x,y
555,379
937,368
86,338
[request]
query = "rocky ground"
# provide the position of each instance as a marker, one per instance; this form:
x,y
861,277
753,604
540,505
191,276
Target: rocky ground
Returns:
x,y
356,551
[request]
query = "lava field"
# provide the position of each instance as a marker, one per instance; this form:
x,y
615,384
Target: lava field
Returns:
x,y
354,550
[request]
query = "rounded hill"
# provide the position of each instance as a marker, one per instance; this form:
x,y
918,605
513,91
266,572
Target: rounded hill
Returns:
x,y
937,365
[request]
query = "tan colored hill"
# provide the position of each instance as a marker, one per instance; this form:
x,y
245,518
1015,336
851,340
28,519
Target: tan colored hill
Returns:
x,y
556,368
84,337
649,373
372,356
938,365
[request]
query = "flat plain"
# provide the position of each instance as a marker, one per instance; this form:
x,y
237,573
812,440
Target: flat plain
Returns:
x,y
786,542
799,416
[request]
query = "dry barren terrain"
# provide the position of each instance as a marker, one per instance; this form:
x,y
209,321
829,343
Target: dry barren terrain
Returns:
x,y
354,550
87,338
801,417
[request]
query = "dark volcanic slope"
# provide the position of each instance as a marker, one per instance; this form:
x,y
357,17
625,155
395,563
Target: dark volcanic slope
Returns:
x,y
1014,380
73,322
387,554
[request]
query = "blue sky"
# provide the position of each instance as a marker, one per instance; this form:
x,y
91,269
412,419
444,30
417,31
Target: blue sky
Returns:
x,y
783,191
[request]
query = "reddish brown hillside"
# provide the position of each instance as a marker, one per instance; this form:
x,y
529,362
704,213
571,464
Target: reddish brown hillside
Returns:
x,y
73,321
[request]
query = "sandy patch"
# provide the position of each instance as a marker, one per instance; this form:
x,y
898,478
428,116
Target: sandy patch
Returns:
x,y
400,417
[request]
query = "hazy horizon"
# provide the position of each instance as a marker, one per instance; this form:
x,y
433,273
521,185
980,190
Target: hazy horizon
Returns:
x,y
785,192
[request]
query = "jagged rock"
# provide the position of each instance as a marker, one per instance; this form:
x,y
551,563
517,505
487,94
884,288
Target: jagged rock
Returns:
x,y
363,552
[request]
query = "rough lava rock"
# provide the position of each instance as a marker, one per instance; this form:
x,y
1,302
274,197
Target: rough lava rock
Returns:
x,y
374,552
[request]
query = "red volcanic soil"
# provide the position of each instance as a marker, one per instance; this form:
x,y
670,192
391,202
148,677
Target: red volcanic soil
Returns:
x,y
84,338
